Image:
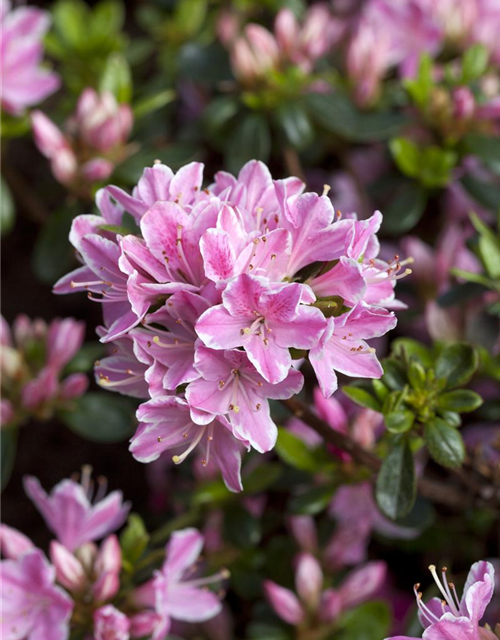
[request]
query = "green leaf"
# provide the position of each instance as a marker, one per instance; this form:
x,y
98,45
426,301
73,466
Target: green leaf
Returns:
x,y
362,397
312,501
189,16
406,155
474,63
394,374
261,478
53,256
370,621
267,631
334,112
8,448
456,364
399,421
460,293
251,139
116,78
421,87
108,17
405,208
416,375
486,193
414,350
372,127
240,528
295,452
7,210
484,147
134,539
85,358
150,103
461,401
436,166
445,443
71,19
218,113
396,487
101,417
295,122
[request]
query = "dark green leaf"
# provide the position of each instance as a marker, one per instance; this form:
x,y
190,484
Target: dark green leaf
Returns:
x,y
116,78
207,64
240,528
250,140
150,103
8,448
334,112
394,374
295,122
134,539
445,443
101,417
456,364
460,293
85,358
486,148
420,88
262,477
312,501
370,621
486,193
399,421
414,350
397,483
53,255
461,401
362,397
7,210
405,208
416,375
218,113
266,631
295,452
372,127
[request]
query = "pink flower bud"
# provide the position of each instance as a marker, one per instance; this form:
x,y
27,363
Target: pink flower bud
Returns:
x,y
316,33
254,53
40,390
97,170
64,339
284,602
331,605
227,27
111,624
303,530
5,334
309,580
106,587
143,624
109,558
69,570
13,543
6,412
74,386
64,166
286,30
464,103
22,328
362,583
48,138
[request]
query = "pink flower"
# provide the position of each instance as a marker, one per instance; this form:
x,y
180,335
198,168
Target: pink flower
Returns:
x,y
343,348
329,603
93,141
13,543
111,624
230,386
172,594
454,618
265,320
70,514
165,424
32,606
254,54
24,81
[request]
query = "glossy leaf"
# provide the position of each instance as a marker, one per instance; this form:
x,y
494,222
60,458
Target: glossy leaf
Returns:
x,y
460,401
133,539
397,483
295,452
456,364
399,421
362,397
445,443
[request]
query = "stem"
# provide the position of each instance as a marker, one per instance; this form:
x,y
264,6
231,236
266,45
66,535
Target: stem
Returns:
x,y
292,163
435,490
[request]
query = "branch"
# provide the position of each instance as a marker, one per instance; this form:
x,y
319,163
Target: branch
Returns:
x,y
434,490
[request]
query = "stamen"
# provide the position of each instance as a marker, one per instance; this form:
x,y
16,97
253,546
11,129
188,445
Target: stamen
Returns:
x,y
326,189
178,459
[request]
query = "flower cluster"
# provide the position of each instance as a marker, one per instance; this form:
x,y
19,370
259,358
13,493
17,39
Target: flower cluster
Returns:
x,y
216,294
93,143
24,82
80,587
32,362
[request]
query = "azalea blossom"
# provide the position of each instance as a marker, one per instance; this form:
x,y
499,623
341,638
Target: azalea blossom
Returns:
x,y
24,81
208,302
33,357
174,593
70,513
452,617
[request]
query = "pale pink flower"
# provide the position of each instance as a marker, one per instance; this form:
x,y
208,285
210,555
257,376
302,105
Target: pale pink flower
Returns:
x,y
69,512
33,607
13,543
111,624
174,594
24,81
453,617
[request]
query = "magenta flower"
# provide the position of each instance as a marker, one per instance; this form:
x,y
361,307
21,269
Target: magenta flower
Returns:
x,y
24,81
33,607
452,618
32,360
173,594
343,348
122,371
329,603
231,386
70,514
92,144
265,320
165,423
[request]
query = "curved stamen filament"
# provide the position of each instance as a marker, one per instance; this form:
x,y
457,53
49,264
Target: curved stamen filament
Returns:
x,y
223,574
194,443
426,612
104,381
174,345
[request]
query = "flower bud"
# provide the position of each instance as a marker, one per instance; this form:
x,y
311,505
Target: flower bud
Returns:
x,y
109,557
48,137
303,530
74,386
309,580
111,624
331,605
106,587
143,624
464,103
286,30
69,570
362,583
97,170
284,603
13,543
